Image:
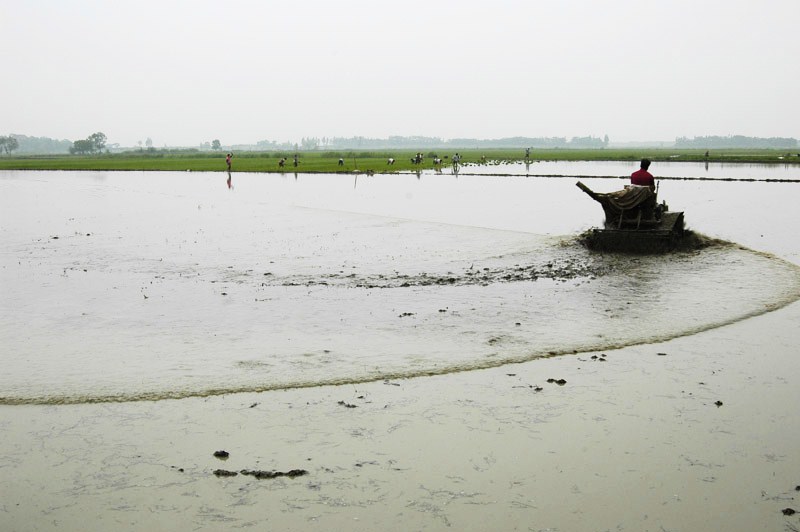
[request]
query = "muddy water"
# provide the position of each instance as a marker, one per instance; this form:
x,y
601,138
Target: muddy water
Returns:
x,y
126,286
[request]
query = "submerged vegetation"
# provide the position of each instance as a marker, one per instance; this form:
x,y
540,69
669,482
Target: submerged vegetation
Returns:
x,y
377,161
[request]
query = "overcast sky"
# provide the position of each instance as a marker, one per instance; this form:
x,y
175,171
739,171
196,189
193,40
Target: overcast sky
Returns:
x,y
187,72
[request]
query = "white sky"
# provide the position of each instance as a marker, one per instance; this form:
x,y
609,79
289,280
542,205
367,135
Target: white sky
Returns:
x,y
187,72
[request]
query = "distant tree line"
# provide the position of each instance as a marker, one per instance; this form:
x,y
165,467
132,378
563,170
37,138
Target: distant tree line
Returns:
x,y
420,142
736,141
272,145
94,143
23,144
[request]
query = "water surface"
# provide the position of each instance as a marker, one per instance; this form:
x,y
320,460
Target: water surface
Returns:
x,y
124,286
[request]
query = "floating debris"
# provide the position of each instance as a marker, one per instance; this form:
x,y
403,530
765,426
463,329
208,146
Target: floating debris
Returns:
x,y
560,382
274,474
222,455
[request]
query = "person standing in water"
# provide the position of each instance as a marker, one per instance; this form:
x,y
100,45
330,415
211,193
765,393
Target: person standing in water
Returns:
x,y
228,161
642,177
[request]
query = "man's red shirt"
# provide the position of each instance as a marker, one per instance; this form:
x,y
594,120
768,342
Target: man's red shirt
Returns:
x,y
643,177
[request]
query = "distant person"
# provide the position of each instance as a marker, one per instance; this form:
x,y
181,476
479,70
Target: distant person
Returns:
x,y
341,161
296,161
228,161
527,153
642,177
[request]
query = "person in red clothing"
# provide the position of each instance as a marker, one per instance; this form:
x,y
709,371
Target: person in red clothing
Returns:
x,y
642,177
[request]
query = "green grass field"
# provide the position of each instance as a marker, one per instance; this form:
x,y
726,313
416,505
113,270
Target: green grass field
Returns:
x,y
375,161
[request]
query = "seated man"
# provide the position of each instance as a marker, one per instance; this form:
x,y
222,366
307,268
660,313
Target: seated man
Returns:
x,y
642,177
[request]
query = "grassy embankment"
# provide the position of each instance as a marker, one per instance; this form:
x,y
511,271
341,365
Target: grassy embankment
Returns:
x,y
376,161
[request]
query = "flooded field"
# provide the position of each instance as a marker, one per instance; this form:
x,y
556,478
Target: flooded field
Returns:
x,y
130,286
124,290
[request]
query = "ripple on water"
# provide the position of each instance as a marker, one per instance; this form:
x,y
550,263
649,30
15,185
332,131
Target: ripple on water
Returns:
x,y
161,330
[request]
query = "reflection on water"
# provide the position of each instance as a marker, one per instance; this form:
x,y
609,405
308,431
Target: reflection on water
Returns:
x,y
145,286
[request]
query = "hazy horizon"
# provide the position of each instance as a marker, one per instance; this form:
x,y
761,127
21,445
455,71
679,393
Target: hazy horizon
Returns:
x,y
185,73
